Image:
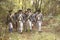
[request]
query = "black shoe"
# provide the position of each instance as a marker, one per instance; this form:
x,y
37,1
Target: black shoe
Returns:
x,y
26,30
20,32
30,30
40,31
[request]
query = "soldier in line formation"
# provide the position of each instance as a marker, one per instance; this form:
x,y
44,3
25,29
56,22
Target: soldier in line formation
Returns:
x,y
24,20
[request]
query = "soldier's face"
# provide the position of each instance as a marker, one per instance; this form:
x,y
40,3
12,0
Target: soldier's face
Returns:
x,y
26,12
36,12
9,13
29,10
20,12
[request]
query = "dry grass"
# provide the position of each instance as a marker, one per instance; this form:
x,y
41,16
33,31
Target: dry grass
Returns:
x,y
30,36
51,31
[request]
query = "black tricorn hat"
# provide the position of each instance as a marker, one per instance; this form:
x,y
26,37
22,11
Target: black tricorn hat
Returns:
x,y
20,11
38,10
28,9
10,10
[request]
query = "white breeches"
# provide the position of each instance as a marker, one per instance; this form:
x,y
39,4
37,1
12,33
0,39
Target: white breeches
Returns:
x,y
39,24
10,25
29,23
21,26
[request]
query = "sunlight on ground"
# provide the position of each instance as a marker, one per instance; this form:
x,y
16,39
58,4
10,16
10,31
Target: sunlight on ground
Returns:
x,y
32,36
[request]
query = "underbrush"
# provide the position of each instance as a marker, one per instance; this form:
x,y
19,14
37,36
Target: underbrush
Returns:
x,y
50,29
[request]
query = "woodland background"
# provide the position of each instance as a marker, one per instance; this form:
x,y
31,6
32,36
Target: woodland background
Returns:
x,y
51,23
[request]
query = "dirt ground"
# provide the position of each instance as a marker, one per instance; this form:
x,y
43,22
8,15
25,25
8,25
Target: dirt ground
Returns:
x,y
50,31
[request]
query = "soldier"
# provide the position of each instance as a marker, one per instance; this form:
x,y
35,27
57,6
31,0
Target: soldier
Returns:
x,y
15,20
25,20
39,19
29,19
34,17
9,20
20,20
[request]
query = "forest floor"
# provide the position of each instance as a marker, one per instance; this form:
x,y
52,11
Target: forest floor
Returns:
x,y
50,31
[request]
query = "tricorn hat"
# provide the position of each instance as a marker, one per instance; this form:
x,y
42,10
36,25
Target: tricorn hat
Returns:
x,y
10,10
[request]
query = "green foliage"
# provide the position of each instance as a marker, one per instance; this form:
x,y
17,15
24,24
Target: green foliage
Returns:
x,y
46,6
